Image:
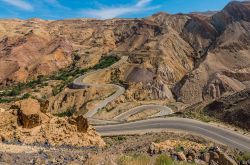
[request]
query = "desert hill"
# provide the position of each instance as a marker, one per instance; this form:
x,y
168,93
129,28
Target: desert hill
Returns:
x,y
189,58
54,72
197,56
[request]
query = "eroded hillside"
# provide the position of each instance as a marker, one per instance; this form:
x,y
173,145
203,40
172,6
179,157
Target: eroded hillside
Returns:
x,y
197,56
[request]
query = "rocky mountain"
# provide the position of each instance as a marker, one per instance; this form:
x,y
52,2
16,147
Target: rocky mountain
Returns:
x,y
225,65
53,72
189,58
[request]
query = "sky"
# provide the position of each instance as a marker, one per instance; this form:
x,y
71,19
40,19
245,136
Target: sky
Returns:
x,y
102,9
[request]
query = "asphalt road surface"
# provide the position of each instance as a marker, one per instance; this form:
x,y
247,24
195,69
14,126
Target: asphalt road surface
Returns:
x,y
214,133
221,135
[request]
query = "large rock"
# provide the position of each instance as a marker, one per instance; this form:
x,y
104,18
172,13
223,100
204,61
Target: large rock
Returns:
x,y
82,124
219,157
29,114
181,156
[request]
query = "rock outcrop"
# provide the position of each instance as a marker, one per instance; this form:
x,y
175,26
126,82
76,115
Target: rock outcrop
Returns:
x,y
234,109
29,113
31,126
188,151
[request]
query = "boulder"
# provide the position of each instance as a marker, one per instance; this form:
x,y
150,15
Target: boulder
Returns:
x,y
29,114
190,158
217,156
81,122
225,159
151,149
181,156
192,153
205,157
214,156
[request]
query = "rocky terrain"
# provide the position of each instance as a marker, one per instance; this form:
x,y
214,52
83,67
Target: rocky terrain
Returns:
x,y
195,63
233,109
197,56
26,124
153,148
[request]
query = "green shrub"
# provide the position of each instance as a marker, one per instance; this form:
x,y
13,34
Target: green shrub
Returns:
x,y
106,62
163,160
244,157
67,113
179,149
119,138
26,95
157,141
15,91
134,160
36,90
3,100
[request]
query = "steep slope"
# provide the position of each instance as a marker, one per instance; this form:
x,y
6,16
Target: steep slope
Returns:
x,y
234,109
36,47
227,57
198,56
28,51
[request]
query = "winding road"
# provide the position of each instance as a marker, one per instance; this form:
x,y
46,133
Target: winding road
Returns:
x,y
217,134
163,111
118,127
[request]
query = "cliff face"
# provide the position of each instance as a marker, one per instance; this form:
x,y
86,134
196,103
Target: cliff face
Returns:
x,y
198,56
227,56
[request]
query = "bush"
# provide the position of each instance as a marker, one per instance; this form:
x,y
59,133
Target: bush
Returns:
x,y
67,113
15,91
119,138
106,62
244,157
76,57
179,149
134,160
26,95
163,160
3,100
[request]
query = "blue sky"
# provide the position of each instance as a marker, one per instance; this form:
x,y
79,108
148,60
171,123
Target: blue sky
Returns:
x,y
103,9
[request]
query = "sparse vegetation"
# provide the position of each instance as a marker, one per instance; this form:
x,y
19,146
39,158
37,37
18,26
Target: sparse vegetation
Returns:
x,y
195,112
6,100
66,76
67,113
163,160
69,74
10,92
134,160
243,156
119,138
26,95
179,148
106,62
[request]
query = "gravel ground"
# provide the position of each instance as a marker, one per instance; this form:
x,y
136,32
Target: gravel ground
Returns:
x,y
136,144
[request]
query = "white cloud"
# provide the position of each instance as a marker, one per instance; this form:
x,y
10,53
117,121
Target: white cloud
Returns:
x,y
142,3
20,4
116,11
56,4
